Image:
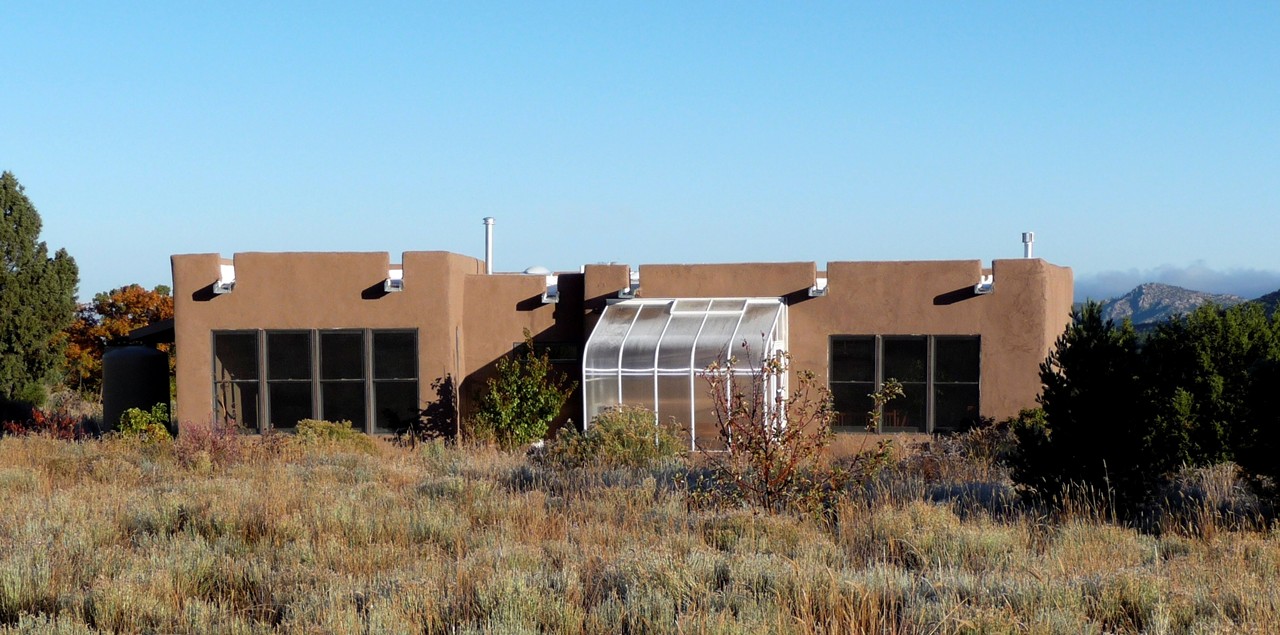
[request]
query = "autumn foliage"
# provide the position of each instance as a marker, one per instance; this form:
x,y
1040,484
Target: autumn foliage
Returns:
x,y
110,317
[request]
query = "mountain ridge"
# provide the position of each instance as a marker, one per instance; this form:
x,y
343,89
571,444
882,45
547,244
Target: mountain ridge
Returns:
x,y
1153,302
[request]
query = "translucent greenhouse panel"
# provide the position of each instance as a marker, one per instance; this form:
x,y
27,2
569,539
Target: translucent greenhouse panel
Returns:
x,y
675,401
638,352
690,306
715,340
608,336
637,390
676,350
706,431
598,392
732,304
757,330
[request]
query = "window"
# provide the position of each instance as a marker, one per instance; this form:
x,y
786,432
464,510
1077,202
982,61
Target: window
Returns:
x,y
235,378
342,378
288,378
939,376
367,377
395,379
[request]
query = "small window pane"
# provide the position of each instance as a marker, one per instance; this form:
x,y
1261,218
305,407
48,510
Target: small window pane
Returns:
x,y
906,413
237,403
905,358
395,405
853,359
395,355
288,356
955,405
235,356
956,359
343,401
341,356
852,403
290,402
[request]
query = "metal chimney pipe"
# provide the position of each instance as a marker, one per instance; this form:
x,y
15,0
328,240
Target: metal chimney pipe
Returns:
x,y
1027,239
488,245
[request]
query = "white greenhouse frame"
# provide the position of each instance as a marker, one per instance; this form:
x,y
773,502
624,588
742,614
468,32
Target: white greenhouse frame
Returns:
x,y
655,353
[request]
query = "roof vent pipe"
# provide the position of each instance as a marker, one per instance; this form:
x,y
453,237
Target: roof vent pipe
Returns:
x,y
488,245
1027,239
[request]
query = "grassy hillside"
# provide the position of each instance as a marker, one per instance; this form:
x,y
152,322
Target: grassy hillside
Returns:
x,y
277,537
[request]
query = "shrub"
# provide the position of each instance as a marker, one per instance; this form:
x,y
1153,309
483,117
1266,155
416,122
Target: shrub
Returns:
x,y
774,442
523,398
332,433
622,436
217,442
55,424
439,420
145,426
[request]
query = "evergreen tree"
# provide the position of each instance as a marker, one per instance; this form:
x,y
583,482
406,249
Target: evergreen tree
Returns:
x,y
1202,371
37,299
1095,430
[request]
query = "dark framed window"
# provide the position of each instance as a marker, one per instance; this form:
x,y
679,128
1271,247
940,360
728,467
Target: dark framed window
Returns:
x,y
940,377
342,378
368,377
395,379
289,378
235,378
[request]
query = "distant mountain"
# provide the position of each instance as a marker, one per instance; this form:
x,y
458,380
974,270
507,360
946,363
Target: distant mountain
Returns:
x,y
1154,302
1269,301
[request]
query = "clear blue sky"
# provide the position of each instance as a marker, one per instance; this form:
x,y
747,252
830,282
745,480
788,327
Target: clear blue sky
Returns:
x,y
1139,141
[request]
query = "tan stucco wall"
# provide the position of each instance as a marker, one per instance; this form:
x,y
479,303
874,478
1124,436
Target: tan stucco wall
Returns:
x,y
467,321
1017,322
313,291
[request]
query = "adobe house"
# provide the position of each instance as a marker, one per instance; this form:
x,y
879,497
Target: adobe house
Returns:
x,y
268,339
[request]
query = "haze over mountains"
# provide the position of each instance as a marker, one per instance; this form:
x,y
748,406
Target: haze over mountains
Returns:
x,y
1155,302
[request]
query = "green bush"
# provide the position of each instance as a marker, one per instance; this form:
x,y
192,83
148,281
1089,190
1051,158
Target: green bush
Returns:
x,y
316,432
523,398
145,426
622,436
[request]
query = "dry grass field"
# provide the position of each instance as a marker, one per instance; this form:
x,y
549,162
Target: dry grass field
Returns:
x,y
276,536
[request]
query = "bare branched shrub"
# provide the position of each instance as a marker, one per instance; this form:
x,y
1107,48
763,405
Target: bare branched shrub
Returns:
x,y
209,443
774,440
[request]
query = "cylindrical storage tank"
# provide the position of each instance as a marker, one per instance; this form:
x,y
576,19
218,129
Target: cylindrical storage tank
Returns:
x,y
132,377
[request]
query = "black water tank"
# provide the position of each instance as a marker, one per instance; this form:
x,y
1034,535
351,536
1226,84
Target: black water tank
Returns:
x,y
132,377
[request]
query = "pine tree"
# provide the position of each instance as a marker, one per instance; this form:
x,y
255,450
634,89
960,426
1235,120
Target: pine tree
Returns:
x,y
37,299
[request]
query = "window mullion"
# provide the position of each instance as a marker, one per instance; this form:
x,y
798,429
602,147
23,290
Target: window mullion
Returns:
x,y
264,401
930,355
314,343
368,381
